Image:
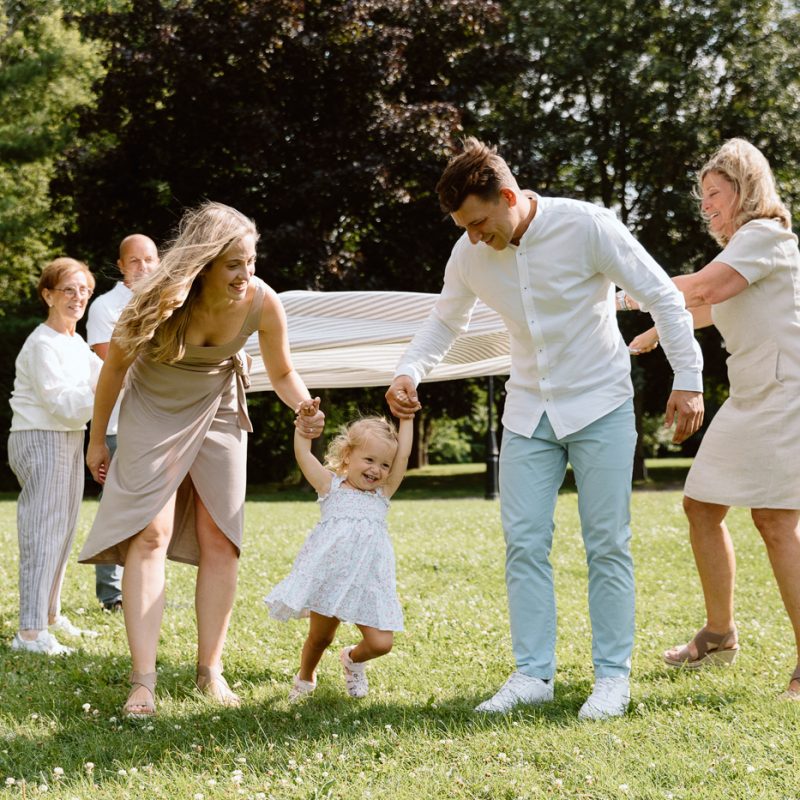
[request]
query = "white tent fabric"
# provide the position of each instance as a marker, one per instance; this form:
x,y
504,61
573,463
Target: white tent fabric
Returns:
x,y
351,339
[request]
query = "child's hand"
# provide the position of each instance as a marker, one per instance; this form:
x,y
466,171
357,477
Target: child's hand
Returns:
x,y
310,421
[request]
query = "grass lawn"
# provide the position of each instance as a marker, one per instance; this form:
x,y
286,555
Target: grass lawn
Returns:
x,y
716,734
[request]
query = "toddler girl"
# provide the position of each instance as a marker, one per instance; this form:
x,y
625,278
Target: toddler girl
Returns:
x,y
345,570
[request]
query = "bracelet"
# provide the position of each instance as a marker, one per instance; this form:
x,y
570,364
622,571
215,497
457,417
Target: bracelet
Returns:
x,y
622,301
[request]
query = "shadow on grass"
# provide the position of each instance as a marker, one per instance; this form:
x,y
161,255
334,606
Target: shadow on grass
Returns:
x,y
64,735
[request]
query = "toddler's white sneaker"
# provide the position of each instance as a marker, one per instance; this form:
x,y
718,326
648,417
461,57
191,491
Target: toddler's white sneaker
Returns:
x,y
300,689
355,675
610,698
518,690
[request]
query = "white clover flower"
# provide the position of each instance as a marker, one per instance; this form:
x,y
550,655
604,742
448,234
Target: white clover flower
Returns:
x,y
623,787
34,716
751,768
122,772
10,781
58,771
199,796
236,779
44,788
87,707
88,766
211,782
241,760
133,770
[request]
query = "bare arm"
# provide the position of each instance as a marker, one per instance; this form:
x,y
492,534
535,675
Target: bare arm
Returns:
x,y
101,349
405,438
273,340
109,385
313,471
648,340
713,284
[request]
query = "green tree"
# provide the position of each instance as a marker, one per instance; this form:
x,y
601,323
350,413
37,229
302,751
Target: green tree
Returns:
x,y
46,72
620,101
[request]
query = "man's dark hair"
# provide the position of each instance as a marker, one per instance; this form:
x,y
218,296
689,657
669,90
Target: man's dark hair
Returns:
x,y
477,170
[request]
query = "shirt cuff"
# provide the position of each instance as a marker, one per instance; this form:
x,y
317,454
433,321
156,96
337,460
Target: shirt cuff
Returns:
x,y
412,372
688,382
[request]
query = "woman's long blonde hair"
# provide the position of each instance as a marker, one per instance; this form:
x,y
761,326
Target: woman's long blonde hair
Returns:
x,y
745,166
355,435
160,309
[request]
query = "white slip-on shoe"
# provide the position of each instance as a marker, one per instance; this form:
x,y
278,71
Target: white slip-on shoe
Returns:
x,y
63,625
609,698
518,690
300,689
355,674
45,643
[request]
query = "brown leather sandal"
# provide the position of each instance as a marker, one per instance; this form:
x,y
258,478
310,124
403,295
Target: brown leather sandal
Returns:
x,y
141,710
211,682
713,649
791,694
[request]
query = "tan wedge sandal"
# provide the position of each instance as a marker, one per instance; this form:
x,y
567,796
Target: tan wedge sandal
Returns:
x,y
713,649
212,683
148,708
791,694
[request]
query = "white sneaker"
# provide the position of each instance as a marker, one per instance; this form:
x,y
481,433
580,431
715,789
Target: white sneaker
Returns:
x,y
300,689
44,643
63,625
610,698
355,675
518,690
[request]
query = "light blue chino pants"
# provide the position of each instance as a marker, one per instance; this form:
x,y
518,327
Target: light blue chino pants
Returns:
x,y
531,473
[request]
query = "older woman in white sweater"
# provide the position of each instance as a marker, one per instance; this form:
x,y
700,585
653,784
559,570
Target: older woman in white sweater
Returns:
x,y
52,401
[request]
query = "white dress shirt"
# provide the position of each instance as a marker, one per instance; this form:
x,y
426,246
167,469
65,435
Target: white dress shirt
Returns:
x,y
555,291
104,313
54,385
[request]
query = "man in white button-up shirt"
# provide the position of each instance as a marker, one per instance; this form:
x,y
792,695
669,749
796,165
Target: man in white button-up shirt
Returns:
x,y
548,266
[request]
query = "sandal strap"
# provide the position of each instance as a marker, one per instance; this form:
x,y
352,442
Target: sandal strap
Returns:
x,y
708,642
146,679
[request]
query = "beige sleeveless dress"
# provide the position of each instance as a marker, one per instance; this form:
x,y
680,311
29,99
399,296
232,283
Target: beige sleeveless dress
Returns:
x,y
182,428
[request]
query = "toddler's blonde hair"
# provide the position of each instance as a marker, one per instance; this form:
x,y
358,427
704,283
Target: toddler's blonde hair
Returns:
x,y
355,435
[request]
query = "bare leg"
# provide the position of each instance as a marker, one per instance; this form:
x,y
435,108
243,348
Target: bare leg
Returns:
x,y
143,589
716,565
780,530
321,631
374,644
215,589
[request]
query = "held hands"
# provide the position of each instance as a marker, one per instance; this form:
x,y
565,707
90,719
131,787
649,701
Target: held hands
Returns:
x,y
688,406
98,457
310,421
402,397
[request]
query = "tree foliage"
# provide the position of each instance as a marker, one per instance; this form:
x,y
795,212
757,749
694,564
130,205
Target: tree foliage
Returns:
x,y
46,73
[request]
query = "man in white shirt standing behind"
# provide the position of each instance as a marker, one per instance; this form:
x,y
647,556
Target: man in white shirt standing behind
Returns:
x,y
548,266
138,255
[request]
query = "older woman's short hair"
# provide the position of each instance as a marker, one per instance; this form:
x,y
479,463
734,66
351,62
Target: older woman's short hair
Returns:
x,y
745,166
58,269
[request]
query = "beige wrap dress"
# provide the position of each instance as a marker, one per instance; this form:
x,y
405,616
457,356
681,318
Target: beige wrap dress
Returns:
x,y
182,428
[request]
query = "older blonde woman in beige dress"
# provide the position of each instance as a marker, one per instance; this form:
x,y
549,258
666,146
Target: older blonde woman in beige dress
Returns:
x,y
750,455
176,485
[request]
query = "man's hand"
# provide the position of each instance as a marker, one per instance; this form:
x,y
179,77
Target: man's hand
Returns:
x,y
688,406
402,397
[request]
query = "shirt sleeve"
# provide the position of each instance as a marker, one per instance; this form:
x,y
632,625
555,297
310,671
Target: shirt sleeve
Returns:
x,y
631,267
750,251
99,323
448,319
65,398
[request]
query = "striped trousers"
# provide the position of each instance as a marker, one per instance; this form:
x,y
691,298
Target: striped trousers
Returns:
x,y
49,468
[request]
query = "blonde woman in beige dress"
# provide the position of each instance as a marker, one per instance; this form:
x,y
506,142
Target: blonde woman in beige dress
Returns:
x,y
750,455
175,487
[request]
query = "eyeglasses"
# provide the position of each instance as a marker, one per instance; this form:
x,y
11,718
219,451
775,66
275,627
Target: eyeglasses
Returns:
x,y
76,291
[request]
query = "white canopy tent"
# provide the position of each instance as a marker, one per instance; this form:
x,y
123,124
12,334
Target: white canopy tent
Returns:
x,y
351,339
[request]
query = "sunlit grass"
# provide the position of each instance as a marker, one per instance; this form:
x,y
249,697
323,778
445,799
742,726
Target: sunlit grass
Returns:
x,y
718,734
